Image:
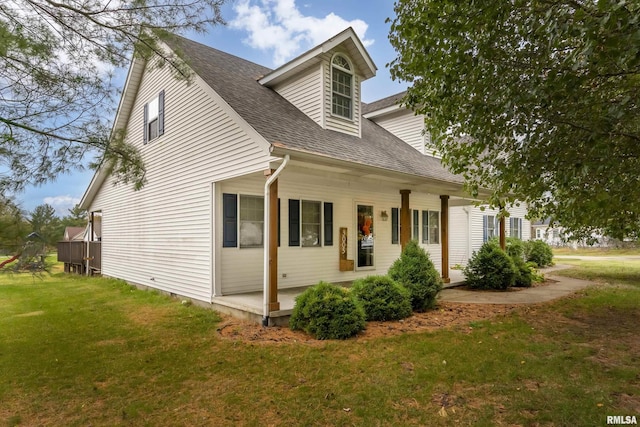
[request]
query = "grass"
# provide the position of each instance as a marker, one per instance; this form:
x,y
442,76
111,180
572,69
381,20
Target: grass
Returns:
x,y
597,251
92,351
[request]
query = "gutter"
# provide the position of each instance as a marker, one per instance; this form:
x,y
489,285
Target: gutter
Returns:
x,y
267,237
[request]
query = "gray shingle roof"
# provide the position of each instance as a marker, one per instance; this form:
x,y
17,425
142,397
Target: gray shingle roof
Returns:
x,y
382,103
281,123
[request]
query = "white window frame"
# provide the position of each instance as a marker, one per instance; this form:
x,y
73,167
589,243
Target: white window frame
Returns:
x,y
430,226
319,224
347,70
491,227
517,228
253,221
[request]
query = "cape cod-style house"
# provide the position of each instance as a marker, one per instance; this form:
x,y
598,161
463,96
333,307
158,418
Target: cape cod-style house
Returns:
x,y
260,181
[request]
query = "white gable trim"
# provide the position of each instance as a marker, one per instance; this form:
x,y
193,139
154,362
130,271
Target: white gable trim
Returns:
x,y
127,100
130,91
382,112
312,56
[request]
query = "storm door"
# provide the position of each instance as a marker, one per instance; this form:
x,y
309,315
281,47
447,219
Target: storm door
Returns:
x,y
365,236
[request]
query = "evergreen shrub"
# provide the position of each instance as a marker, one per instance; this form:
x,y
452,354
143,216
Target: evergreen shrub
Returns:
x,y
539,252
415,271
382,298
328,311
490,268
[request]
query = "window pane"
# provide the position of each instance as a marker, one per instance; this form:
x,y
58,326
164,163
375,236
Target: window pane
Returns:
x,y
434,227
310,223
153,129
425,227
341,86
251,221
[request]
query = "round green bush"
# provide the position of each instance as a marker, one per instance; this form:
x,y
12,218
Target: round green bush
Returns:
x,y
415,271
382,298
328,311
490,268
515,248
524,275
539,252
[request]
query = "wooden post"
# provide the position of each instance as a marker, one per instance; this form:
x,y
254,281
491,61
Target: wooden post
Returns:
x,y
405,218
272,244
503,240
444,237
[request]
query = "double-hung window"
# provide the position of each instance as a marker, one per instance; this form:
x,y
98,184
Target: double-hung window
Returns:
x,y
489,227
251,221
242,221
310,223
515,227
341,87
154,118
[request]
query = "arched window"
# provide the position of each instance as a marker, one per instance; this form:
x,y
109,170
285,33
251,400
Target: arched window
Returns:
x,y
341,87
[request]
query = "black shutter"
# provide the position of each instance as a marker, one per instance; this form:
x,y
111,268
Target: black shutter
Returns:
x,y
146,124
395,225
229,220
161,113
328,224
278,222
294,222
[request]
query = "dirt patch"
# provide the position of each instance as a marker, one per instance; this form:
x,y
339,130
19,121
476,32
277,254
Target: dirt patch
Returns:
x,y
445,315
31,314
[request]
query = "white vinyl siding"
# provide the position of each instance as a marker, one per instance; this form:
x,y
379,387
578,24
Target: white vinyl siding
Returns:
x,y
459,235
406,126
160,236
305,92
242,270
476,224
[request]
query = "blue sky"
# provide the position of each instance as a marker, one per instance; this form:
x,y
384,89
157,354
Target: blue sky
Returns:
x,y
268,32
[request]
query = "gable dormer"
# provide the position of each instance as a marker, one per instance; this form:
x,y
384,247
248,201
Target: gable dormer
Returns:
x,y
324,83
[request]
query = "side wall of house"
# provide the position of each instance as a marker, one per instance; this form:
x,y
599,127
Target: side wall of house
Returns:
x,y
161,235
406,126
466,230
305,92
477,224
242,268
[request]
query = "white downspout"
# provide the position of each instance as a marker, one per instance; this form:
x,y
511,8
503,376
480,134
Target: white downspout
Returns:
x,y
267,237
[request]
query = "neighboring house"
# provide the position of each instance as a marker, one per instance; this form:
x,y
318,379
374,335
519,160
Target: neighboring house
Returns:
x,y
260,180
553,236
469,226
73,233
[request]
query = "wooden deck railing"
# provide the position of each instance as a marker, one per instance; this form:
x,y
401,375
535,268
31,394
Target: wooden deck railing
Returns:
x,y
95,255
74,256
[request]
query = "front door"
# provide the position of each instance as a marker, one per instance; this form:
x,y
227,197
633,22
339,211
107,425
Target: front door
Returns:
x,y
365,236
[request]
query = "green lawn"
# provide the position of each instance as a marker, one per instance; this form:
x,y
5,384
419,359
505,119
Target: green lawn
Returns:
x,y
91,351
597,251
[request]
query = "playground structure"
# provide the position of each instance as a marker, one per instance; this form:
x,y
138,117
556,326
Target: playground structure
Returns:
x,y
30,258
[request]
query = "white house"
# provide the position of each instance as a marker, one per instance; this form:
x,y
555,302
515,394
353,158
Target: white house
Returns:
x,y
469,225
260,180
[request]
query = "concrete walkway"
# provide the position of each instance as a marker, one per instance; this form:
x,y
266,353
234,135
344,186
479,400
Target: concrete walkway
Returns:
x,y
561,287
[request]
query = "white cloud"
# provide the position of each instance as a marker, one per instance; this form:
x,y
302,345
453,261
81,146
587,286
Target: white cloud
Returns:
x,y
62,203
280,27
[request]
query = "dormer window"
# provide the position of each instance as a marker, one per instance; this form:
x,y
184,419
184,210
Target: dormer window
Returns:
x,y
341,87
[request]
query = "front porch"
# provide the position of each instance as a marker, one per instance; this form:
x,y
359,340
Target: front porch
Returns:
x,y
250,305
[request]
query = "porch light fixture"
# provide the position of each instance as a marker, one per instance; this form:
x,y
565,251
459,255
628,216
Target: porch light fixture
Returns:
x,y
384,215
